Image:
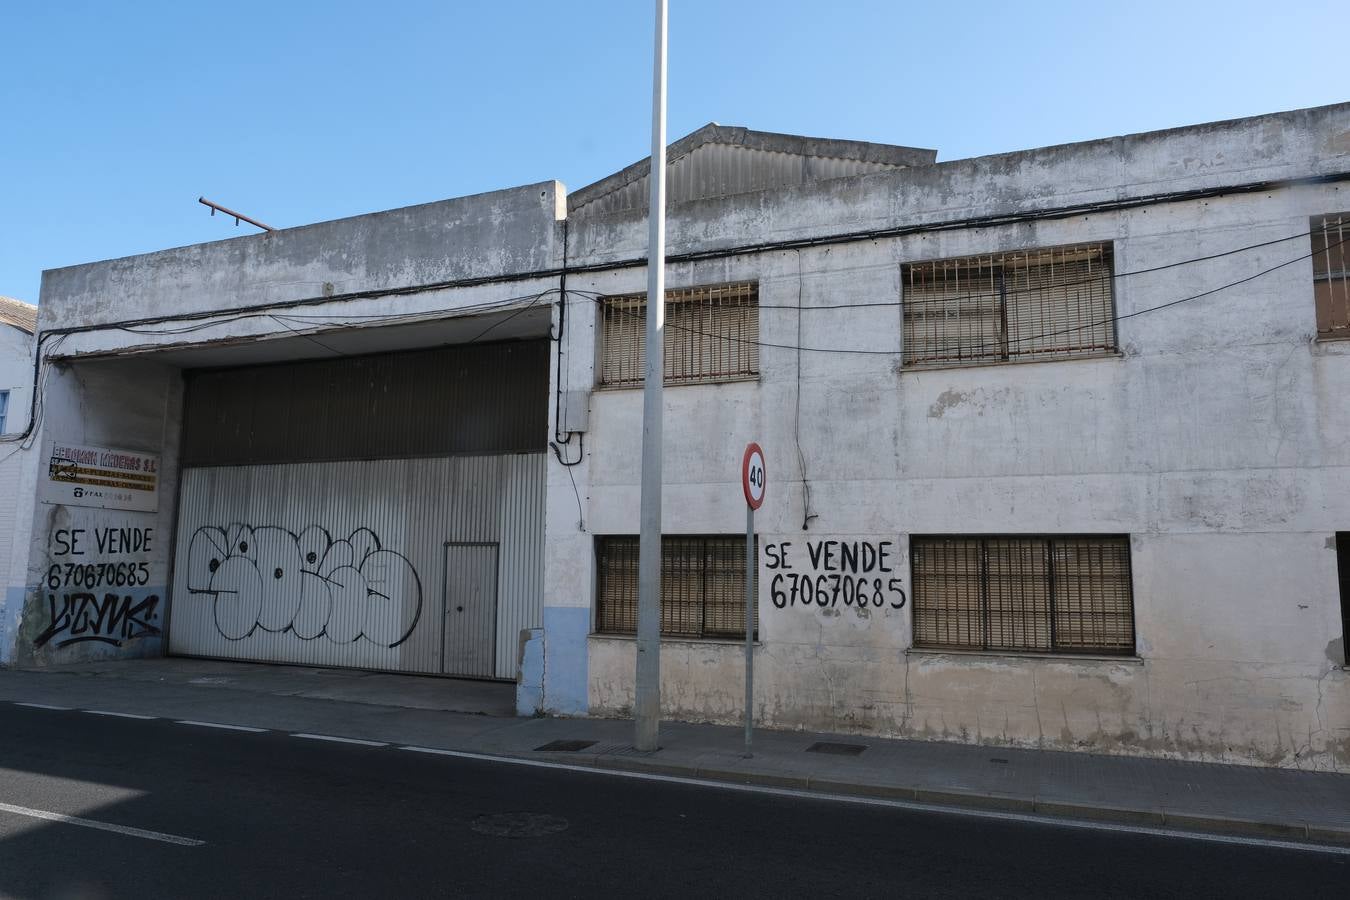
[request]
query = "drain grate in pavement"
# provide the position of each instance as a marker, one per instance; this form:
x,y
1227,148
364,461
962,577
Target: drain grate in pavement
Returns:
x,y
998,759
625,750
836,749
565,746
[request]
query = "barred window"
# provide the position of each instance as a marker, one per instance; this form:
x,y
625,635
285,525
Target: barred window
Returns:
x,y
711,334
1029,304
1331,274
1069,594
702,586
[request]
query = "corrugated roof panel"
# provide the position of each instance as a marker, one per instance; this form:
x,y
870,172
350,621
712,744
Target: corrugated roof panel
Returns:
x,y
717,170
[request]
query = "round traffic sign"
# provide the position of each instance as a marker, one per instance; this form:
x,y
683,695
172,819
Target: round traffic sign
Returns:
x,y
752,475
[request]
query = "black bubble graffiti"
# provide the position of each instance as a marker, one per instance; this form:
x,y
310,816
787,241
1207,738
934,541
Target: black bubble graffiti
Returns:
x,y
308,585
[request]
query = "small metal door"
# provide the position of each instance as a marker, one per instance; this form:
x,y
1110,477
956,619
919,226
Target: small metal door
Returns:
x,y
470,619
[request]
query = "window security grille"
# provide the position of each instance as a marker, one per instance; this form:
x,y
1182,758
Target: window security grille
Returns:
x,y
711,334
1331,274
702,586
1004,306
1045,594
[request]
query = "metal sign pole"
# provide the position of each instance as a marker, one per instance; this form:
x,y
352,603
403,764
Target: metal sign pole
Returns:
x,y
647,683
749,626
753,479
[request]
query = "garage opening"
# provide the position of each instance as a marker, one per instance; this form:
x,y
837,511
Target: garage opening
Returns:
x,y
377,512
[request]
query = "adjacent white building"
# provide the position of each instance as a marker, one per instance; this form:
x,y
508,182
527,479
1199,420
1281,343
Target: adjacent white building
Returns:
x,y
1058,442
18,321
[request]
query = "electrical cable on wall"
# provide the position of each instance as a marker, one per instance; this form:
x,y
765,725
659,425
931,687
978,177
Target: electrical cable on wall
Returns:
x,y
558,434
209,319
563,438
1083,281
1050,214
42,362
1029,337
807,515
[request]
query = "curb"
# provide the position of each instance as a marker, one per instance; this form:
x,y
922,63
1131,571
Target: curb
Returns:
x,y
1047,808
1050,809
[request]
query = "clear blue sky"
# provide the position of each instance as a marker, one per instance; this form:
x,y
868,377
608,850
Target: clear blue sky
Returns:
x,y
117,116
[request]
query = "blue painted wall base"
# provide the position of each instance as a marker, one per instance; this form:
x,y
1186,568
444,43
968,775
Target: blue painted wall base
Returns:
x,y
566,660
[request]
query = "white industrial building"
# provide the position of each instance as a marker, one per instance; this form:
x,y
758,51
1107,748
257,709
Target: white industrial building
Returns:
x,y
1058,442
18,321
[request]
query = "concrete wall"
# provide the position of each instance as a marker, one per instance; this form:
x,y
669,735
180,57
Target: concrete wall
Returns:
x,y
486,235
16,491
117,404
1218,439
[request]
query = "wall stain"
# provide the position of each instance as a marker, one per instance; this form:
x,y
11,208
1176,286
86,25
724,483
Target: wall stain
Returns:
x,y
1336,651
945,401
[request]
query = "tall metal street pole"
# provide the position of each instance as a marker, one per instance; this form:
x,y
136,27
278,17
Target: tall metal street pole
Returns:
x,y
647,691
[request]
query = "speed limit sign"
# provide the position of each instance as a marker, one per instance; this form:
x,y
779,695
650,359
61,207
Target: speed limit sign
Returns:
x,y
752,475
752,482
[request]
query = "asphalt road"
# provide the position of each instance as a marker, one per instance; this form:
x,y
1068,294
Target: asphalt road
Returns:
x,y
281,816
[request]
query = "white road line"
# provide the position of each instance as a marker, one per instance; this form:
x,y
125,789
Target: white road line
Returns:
x,y
340,740
43,706
219,725
120,715
1031,818
101,826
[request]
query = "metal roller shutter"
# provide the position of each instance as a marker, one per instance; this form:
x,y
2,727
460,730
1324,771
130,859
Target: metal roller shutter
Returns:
x,y
300,540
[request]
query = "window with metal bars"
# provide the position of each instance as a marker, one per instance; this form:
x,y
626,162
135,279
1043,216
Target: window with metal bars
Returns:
x,y
1029,304
1061,594
1331,274
711,334
702,585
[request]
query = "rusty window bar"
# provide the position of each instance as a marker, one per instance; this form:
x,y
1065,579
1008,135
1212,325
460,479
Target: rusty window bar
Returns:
x,y
1331,274
1046,594
1055,301
702,585
711,334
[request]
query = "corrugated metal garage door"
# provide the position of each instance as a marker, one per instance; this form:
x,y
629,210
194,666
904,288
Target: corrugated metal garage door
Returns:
x,y
345,562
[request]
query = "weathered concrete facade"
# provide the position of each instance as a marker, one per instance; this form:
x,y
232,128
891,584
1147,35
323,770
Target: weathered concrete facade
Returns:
x,y
17,323
1217,437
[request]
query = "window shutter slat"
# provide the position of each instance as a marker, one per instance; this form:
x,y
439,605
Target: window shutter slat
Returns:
x,y
1051,302
702,586
711,334
1043,594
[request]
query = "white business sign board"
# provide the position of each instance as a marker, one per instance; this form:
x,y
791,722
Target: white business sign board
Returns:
x,y
101,477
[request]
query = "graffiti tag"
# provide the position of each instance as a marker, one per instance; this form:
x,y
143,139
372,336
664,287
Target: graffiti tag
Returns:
x,y
109,619
859,574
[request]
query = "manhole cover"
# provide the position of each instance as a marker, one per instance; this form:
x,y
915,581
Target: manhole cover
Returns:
x,y
565,746
836,749
518,824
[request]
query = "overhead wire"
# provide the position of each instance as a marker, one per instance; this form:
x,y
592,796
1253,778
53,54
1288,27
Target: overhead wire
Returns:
x,y
998,344
42,361
203,320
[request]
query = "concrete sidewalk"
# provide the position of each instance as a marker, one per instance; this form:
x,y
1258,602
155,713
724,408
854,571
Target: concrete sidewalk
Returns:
x,y
474,717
